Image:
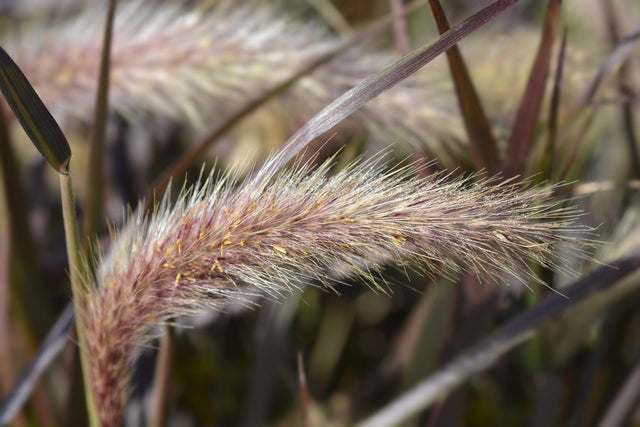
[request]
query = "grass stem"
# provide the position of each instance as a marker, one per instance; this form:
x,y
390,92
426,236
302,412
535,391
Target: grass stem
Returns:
x,y
76,269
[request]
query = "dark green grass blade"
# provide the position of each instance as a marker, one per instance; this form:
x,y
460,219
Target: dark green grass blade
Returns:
x,y
484,152
34,117
370,88
524,126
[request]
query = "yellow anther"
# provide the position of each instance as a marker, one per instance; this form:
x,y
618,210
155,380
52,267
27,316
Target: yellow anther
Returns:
x,y
200,235
241,242
226,236
280,250
398,241
179,246
178,278
235,224
226,242
226,211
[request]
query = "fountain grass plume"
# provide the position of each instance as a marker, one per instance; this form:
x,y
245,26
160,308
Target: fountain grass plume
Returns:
x,y
222,242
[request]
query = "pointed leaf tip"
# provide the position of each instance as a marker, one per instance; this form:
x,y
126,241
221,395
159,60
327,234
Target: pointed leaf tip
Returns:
x,y
32,114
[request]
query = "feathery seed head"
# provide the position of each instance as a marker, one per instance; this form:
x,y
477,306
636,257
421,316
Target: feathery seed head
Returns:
x,y
218,244
198,63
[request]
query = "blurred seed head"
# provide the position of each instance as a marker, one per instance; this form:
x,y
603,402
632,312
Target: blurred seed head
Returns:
x,y
196,63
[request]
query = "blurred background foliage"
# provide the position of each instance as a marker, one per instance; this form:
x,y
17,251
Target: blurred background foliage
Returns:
x,y
359,348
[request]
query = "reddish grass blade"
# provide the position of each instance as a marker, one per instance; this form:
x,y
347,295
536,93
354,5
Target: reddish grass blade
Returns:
x,y
370,88
34,117
484,153
524,126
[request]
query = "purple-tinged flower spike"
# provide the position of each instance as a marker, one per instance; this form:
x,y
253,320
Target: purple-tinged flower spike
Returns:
x,y
219,244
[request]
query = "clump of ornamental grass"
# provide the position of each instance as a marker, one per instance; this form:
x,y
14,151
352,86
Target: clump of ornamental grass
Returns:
x,y
197,63
269,236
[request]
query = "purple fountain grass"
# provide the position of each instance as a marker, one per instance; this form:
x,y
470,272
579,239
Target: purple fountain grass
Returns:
x,y
271,236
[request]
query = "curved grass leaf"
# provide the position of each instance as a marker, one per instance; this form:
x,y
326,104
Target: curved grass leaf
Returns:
x,y
32,114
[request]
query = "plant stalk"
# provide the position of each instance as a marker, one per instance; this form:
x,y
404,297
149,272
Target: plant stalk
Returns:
x,y
76,271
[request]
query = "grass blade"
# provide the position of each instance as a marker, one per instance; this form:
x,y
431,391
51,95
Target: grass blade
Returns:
x,y
484,152
94,215
50,348
26,282
34,117
620,54
546,163
524,126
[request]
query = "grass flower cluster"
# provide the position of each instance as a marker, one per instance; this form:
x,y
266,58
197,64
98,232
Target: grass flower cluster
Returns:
x,y
219,244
